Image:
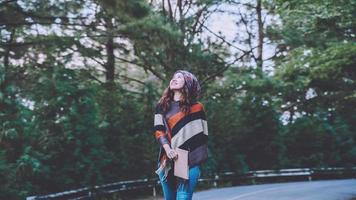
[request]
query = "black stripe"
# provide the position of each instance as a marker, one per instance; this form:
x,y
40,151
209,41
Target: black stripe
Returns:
x,y
194,142
186,119
159,128
158,109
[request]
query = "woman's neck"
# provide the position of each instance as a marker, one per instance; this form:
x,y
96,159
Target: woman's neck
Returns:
x,y
177,96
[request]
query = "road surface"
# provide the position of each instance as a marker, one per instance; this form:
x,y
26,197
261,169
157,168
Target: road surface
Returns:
x,y
313,190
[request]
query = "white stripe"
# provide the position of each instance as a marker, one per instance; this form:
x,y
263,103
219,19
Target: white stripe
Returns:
x,y
189,130
205,126
253,193
158,119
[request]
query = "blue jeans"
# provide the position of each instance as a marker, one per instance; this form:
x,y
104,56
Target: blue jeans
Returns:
x,y
184,190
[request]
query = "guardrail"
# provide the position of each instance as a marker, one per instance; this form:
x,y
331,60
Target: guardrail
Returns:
x,y
91,192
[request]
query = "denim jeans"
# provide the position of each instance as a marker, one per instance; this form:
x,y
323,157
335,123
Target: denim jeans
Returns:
x,y
185,188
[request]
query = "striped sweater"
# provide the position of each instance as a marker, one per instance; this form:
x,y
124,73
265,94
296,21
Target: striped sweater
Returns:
x,y
189,132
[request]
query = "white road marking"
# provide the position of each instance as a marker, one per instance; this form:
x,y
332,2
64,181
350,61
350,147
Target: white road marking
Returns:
x,y
252,193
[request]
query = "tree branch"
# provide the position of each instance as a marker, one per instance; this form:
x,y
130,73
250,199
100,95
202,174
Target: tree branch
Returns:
x,y
223,39
144,66
221,70
24,23
6,2
243,20
132,79
170,10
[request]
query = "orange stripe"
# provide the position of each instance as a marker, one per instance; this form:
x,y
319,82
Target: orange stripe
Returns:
x,y
172,121
159,134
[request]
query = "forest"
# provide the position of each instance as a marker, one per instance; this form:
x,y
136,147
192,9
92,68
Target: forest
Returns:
x,y
79,81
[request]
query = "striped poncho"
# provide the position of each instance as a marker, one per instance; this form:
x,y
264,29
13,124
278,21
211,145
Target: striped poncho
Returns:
x,y
185,131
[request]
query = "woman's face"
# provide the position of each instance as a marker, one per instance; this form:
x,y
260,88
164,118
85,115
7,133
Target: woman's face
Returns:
x,y
177,81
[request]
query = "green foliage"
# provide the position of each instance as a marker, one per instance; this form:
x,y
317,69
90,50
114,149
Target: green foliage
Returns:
x,y
63,127
64,138
6,175
317,82
248,129
317,23
315,141
129,139
134,9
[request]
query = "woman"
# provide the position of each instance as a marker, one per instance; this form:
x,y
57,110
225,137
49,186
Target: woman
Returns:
x,y
180,122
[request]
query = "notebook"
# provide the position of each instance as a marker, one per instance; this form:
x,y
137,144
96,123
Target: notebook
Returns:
x,y
181,168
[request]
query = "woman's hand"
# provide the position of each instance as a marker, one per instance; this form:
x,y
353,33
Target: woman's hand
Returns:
x,y
172,154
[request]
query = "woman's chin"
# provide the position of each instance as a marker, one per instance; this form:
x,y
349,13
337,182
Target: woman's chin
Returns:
x,y
174,88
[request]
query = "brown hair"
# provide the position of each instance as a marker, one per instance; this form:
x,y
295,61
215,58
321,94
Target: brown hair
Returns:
x,y
167,97
189,96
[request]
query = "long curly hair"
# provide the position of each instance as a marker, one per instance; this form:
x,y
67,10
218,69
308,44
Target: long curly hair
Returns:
x,y
190,93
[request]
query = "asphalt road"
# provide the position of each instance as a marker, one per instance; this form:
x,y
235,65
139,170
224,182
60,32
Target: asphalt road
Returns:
x,y
313,190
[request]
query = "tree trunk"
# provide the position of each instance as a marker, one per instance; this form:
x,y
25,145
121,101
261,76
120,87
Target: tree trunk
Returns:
x,y
110,63
6,60
260,35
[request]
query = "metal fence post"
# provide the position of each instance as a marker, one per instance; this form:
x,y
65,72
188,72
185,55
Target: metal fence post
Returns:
x,y
310,174
215,180
154,191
